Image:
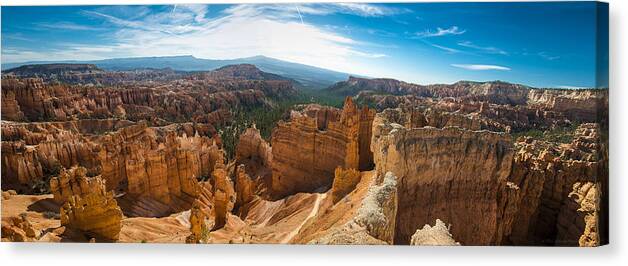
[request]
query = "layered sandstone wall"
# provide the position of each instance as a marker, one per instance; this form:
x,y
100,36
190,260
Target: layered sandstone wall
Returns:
x,y
177,100
245,187
224,195
73,182
158,164
345,181
561,190
449,173
578,105
96,213
163,168
317,141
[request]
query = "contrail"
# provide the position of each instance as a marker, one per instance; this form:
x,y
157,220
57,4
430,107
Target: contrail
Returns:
x,y
299,14
175,8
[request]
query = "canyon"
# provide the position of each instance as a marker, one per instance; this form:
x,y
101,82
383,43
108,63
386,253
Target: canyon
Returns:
x,y
90,155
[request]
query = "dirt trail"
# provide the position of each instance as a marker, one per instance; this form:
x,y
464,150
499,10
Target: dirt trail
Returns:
x,y
314,212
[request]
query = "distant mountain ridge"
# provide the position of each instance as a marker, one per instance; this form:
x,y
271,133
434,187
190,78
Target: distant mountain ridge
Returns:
x,y
508,93
243,71
49,69
306,75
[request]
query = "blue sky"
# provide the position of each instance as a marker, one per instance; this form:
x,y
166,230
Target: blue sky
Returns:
x,y
539,44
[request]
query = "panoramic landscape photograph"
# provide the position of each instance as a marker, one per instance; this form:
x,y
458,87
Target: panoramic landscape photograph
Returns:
x,y
428,124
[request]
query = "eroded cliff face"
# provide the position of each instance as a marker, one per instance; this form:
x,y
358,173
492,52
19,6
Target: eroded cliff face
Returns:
x,y
366,217
96,214
495,92
577,105
560,190
224,196
253,159
345,181
163,168
156,168
73,182
202,97
315,142
449,173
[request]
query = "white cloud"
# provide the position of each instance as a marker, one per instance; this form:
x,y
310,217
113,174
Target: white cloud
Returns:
x,y
484,49
239,31
445,48
548,56
572,87
66,26
480,67
368,10
453,30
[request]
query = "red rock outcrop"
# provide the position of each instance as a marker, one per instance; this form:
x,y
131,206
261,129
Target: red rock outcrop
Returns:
x,y
253,158
252,149
561,189
224,195
32,152
198,225
345,181
73,182
164,168
10,107
96,214
159,165
178,99
245,188
581,216
578,105
18,229
315,142
446,173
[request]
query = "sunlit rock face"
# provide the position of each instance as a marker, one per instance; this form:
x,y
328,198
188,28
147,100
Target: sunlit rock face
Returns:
x,y
437,235
317,140
577,105
96,214
158,165
560,190
449,173
73,182
345,181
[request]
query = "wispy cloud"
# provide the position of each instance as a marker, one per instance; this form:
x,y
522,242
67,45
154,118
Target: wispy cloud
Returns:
x,y
320,9
453,30
481,67
572,87
16,36
447,49
67,26
548,56
483,49
369,10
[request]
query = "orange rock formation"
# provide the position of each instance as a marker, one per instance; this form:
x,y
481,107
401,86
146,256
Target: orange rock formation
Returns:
x,y
96,214
317,141
344,182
